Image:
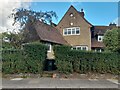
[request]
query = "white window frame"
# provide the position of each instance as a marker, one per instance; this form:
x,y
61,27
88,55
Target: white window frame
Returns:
x,y
98,50
76,47
50,47
70,29
100,36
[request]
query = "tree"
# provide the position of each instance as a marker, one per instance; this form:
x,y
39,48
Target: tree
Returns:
x,y
25,18
111,40
28,18
12,40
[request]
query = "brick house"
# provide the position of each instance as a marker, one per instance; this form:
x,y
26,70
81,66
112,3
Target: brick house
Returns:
x,y
73,29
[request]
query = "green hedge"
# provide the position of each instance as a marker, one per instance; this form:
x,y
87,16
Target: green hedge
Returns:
x,y
13,61
30,59
35,55
63,61
81,61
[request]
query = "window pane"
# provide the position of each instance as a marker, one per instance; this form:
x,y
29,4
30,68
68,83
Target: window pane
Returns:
x,y
65,31
78,48
69,31
73,31
49,47
100,39
74,48
77,31
84,48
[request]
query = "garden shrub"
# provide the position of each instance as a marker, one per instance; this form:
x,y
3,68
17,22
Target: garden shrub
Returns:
x,y
63,61
13,61
30,59
86,61
35,55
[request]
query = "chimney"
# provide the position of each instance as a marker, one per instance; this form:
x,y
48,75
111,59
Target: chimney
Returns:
x,y
112,24
82,13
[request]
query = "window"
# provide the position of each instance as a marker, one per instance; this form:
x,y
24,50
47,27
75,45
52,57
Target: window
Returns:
x,y
71,24
71,31
100,38
71,14
65,32
77,31
98,50
80,48
49,47
84,48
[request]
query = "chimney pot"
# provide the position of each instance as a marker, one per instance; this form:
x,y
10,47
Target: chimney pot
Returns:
x,y
82,10
82,13
112,24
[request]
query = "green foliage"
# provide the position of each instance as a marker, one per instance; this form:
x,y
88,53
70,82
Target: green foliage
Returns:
x,y
25,17
28,60
63,62
14,40
13,61
83,62
35,55
111,40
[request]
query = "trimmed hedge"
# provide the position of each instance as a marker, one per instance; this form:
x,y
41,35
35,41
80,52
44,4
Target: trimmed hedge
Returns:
x,y
62,59
35,55
81,61
13,61
28,60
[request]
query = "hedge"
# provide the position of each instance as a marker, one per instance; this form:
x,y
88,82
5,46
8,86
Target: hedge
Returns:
x,y
35,55
68,60
62,59
13,61
30,59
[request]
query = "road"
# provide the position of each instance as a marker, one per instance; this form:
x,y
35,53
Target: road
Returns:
x,y
57,83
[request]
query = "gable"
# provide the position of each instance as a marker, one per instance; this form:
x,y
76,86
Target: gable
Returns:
x,y
76,19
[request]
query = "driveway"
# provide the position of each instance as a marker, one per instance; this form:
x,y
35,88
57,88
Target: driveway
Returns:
x,y
57,83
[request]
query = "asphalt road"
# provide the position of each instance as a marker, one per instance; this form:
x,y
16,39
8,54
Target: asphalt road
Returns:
x,y
57,83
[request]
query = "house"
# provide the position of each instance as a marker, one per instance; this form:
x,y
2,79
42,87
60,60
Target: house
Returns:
x,y
73,29
80,33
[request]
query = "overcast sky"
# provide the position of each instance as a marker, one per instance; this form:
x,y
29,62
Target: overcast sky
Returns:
x,y
97,13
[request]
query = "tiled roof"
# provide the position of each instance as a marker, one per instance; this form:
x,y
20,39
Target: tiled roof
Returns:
x,y
95,44
101,29
49,33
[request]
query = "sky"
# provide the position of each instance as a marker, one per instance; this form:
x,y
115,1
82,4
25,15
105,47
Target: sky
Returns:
x,y
97,13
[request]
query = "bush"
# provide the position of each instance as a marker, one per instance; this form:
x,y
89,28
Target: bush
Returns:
x,y
13,61
28,60
63,62
85,61
35,55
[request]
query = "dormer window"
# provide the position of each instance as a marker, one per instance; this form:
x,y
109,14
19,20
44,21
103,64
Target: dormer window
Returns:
x,y
100,38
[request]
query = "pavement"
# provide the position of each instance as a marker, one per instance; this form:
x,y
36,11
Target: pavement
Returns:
x,y
57,83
